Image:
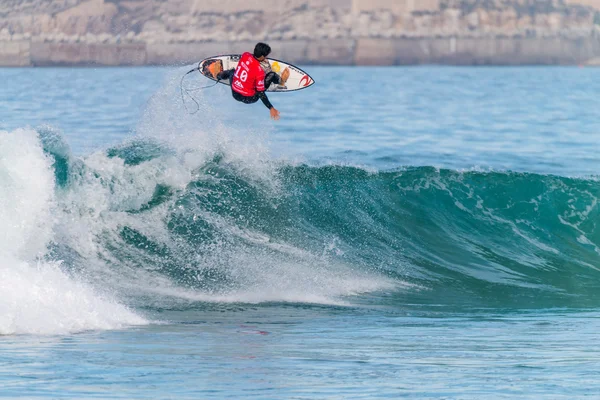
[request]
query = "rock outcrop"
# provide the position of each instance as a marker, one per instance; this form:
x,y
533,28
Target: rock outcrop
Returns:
x,y
135,32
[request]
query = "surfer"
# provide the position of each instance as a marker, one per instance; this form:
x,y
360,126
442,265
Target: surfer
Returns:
x,y
252,77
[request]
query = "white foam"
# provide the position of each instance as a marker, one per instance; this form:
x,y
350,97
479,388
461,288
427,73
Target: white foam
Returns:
x,y
276,280
42,299
26,194
38,297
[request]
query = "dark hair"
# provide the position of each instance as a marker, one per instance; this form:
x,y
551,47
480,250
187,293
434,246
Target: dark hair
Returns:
x,y
262,49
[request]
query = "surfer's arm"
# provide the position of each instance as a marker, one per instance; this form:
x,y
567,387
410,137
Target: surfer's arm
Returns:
x,y
260,91
263,97
267,103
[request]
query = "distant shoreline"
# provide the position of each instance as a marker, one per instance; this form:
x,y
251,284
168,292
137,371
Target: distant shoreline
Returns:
x,y
453,51
315,32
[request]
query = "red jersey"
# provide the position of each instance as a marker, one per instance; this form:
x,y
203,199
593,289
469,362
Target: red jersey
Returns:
x,y
249,76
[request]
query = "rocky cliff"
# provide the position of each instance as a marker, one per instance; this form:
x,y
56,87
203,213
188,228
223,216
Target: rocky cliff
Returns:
x,y
135,32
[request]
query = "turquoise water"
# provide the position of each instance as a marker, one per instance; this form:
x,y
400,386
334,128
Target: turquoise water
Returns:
x,y
433,237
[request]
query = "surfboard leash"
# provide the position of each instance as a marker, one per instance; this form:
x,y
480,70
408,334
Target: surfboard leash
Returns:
x,y
188,90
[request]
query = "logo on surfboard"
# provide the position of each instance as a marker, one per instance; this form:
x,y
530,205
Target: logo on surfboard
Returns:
x,y
305,81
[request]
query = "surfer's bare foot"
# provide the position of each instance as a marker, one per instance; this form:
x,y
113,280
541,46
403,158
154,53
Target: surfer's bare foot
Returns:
x,y
215,68
284,76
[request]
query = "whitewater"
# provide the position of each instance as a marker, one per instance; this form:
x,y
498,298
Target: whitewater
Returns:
x,y
435,238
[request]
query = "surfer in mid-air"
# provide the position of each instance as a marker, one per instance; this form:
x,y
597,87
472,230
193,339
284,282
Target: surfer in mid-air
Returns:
x,y
252,77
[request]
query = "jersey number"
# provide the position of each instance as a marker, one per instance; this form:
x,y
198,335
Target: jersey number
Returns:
x,y
243,76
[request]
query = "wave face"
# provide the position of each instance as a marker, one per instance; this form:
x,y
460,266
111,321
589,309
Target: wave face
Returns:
x,y
90,243
159,223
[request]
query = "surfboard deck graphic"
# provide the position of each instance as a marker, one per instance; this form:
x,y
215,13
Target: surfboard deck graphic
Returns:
x,y
298,79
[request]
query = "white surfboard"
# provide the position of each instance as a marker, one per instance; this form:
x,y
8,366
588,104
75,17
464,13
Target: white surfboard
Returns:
x,y
298,79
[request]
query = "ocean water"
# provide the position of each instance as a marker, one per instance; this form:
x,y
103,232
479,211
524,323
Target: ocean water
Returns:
x,y
401,232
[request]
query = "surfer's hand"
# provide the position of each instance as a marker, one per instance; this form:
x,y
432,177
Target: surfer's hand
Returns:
x,y
274,114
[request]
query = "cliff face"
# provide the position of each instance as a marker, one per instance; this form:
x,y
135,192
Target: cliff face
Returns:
x,y
37,32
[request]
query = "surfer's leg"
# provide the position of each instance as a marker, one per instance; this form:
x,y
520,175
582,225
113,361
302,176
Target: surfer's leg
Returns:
x,y
212,68
271,77
244,99
225,75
